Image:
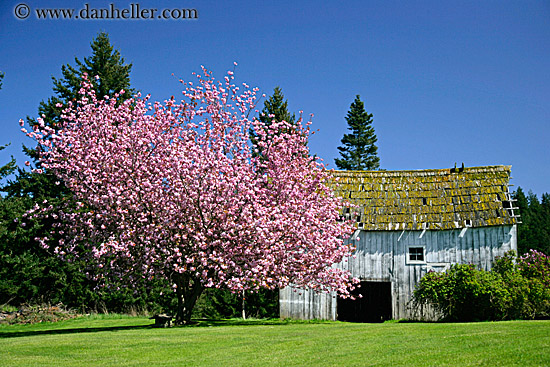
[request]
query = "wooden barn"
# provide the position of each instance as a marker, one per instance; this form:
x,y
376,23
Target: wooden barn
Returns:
x,y
409,223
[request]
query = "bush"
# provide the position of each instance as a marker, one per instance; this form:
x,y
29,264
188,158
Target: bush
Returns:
x,y
510,291
464,294
535,268
517,304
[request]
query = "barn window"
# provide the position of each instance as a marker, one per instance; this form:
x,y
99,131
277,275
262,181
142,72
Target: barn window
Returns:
x,y
416,255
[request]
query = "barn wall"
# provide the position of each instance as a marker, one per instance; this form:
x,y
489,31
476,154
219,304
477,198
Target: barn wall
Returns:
x,y
381,256
303,304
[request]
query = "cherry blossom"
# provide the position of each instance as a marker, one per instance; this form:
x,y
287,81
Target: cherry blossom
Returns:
x,y
173,190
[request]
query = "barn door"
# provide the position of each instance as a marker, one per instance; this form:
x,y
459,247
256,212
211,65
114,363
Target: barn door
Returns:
x,y
374,306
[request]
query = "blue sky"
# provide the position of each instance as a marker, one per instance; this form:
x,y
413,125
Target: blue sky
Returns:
x,y
447,81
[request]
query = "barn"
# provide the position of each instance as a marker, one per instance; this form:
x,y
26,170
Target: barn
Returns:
x,y
409,223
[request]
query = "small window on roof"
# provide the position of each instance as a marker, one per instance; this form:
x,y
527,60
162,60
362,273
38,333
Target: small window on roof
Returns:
x,y
424,201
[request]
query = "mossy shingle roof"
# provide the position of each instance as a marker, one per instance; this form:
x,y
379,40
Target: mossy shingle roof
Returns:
x,y
427,199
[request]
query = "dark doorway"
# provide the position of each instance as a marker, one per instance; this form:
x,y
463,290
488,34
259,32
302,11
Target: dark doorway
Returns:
x,y
374,306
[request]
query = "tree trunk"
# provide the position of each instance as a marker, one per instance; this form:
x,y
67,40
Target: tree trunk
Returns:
x,y
188,290
243,306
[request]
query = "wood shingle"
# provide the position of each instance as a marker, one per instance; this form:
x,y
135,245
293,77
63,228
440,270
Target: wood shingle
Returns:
x,y
433,199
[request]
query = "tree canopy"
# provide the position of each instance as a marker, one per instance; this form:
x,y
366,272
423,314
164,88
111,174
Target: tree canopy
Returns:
x,y
275,110
113,75
177,194
358,150
534,229
41,276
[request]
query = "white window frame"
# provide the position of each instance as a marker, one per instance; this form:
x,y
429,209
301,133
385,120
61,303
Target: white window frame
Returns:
x,y
415,262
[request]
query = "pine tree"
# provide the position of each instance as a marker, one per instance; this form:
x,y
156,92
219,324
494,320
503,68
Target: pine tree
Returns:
x,y
42,276
264,303
8,168
524,228
359,151
275,109
106,70
545,223
114,76
534,229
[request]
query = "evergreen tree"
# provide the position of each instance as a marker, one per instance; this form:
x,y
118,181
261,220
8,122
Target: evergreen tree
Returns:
x,y
276,106
265,302
114,75
534,230
545,223
275,109
41,276
524,229
9,167
359,151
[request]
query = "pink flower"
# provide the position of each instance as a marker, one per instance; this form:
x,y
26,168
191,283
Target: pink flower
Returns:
x,y
175,187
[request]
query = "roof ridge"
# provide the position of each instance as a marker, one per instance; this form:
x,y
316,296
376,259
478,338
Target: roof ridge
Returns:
x,y
441,170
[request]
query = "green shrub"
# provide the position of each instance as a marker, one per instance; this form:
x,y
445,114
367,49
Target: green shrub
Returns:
x,y
517,304
464,293
512,290
535,268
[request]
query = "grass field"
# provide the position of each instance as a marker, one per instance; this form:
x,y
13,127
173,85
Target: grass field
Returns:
x,y
130,341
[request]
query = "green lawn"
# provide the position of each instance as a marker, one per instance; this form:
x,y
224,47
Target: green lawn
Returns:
x,y
127,341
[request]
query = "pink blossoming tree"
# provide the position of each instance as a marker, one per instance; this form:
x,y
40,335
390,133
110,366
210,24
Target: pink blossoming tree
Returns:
x,y
174,190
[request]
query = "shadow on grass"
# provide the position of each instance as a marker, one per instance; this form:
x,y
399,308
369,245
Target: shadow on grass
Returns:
x,y
194,323
250,322
407,321
18,334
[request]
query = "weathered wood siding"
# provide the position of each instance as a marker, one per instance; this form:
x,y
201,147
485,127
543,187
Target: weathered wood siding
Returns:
x,y
306,305
381,256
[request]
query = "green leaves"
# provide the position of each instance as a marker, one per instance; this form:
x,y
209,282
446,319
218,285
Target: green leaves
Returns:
x,y
40,276
510,291
9,167
359,151
275,109
534,231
